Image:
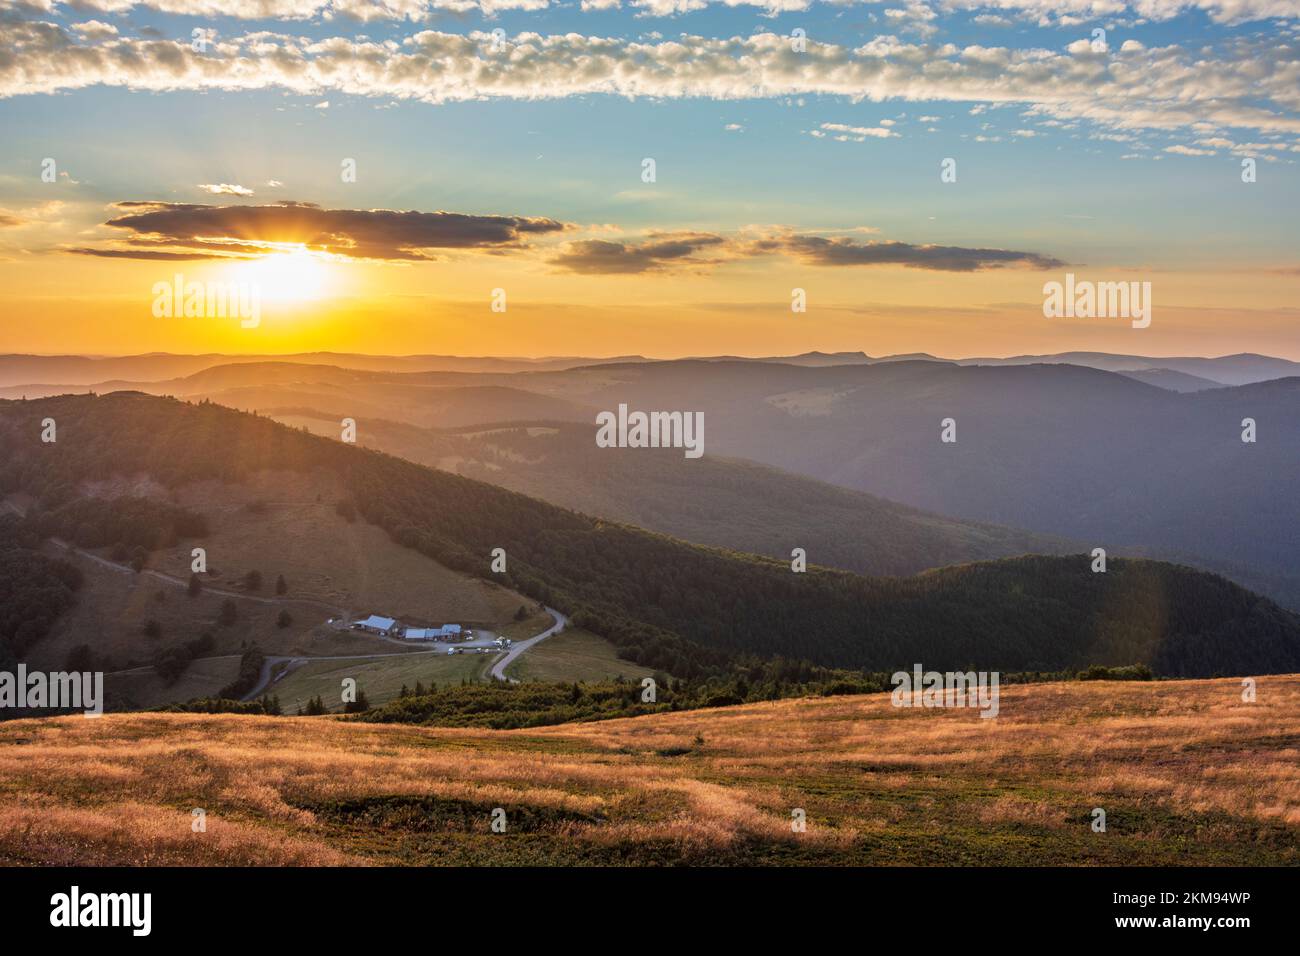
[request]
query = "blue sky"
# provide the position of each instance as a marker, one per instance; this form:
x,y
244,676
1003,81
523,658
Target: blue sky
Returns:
x,y
1122,156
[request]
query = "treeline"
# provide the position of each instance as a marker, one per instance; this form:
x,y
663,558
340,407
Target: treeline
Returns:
x,y
34,591
687,610
267,706
504,706
250,673
124,522
171,662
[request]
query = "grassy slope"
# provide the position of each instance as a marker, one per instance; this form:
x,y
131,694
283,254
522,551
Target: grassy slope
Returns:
x,y
381,679
1187,774
574,655
145,688
277,523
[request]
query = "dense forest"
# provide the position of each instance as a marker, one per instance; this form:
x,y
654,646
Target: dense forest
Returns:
x,y
127,522
34,591
687,610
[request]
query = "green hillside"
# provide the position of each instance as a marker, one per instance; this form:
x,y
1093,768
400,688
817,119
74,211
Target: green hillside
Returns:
x,y
685,609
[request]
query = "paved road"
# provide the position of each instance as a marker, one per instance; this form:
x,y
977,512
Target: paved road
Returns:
x,y
499,668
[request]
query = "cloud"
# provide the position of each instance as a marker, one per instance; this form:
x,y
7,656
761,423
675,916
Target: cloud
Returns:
x,y
1043,12
145,254
363,10
215,231
1250,83
662,252
841,251
225,189
859,134
95,30
8,219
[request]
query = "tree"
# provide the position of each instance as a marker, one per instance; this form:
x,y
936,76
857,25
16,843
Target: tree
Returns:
x,y
195,586
152,628
253,581
228,612
80,658
281,586
284,619
521,614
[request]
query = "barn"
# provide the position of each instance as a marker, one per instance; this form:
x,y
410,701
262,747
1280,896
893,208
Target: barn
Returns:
x,y
375,624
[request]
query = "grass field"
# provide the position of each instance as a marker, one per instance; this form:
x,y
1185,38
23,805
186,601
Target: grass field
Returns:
x,y
144,688
381,678
275,523
1186,772
574,655
532,625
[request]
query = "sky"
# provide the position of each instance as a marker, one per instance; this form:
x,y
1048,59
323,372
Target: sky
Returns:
x,y
472,176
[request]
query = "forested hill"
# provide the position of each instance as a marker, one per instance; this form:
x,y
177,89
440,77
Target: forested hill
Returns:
x,y
668,604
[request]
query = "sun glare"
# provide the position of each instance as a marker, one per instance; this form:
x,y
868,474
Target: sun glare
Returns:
x,y
295,276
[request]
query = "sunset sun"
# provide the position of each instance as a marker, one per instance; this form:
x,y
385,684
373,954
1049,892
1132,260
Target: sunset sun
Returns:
x,y
292,276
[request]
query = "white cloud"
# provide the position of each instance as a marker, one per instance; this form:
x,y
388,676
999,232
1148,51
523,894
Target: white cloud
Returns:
x,y
1043,12
225,189
859,134
94,30
1252,84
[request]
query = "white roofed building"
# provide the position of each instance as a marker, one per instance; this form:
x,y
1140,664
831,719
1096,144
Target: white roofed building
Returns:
x,y
446,632
376,624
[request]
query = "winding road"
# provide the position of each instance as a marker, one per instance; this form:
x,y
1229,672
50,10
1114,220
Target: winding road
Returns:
x,y
497,671
499,668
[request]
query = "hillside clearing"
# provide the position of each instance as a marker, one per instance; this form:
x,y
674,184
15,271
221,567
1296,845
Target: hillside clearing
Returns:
x,y
381,679
574,655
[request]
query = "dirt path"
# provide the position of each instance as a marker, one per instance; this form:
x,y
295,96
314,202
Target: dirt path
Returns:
x,y
183,583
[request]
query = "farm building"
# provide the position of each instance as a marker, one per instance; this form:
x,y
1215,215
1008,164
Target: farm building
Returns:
x,y
375,624
448,632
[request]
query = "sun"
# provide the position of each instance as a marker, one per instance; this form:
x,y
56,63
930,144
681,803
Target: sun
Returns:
x,y
291,276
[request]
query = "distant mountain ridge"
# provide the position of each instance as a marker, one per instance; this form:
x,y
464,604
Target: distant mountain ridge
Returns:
x,y
66,371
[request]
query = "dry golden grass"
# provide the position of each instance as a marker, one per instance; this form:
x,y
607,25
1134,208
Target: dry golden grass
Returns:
x,y
1186,772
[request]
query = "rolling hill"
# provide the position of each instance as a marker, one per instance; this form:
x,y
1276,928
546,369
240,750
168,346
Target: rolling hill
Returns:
x,y
1188,775
722,502
686,609
1089,455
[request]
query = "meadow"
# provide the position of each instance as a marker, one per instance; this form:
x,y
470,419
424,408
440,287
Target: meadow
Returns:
x,y
574,655
1186,771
